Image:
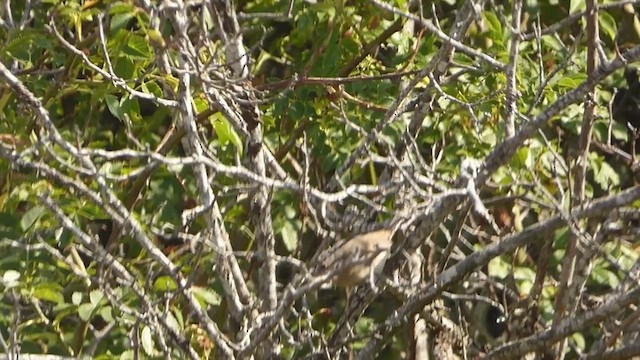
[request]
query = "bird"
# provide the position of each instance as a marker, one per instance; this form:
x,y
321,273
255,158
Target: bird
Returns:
x,y
366,253
357,259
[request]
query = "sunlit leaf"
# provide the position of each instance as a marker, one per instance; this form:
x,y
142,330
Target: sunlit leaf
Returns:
x,y
138,47
289,236
85,311
225,132
499,268
165,283
49,292
76,298
608,25
147,341
31,216
95,296
207,295
10,278
577,5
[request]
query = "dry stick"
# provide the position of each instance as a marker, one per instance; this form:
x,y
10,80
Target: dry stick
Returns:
x,y
538,283
418,327
168,142
392,113
371,47
291,142
428,292
445,38
302,284
631,351
111,202
501,154
361,103
438,67
517,349
46,172
63,77
260,204
298,81
566,22
570,284
511,95
128,278
227,268
341,79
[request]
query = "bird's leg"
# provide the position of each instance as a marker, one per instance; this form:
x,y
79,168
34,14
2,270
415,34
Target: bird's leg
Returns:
x,y
635,134
349,349
372,280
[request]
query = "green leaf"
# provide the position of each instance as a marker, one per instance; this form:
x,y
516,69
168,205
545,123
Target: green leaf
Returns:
x,y
138,48
524,273
225,132
177,316
579,341
553,43
499,268
604,174
31,216
619,131
76,298
26,44
151,88
603,276
576,6
120,21
113,104
364,325
172,322
63,311
571,82
95,296
106,314
121,7
147,341
165,283
200,105
156,39
128,355
331,58
85,311
561,238
208,296
49,292
124,67
289,236
492,21
8,219
608,24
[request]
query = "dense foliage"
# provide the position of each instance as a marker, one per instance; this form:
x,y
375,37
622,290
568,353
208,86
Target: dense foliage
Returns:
x,y
172,172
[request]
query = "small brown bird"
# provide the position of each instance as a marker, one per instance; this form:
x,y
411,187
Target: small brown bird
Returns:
x,y
370,248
